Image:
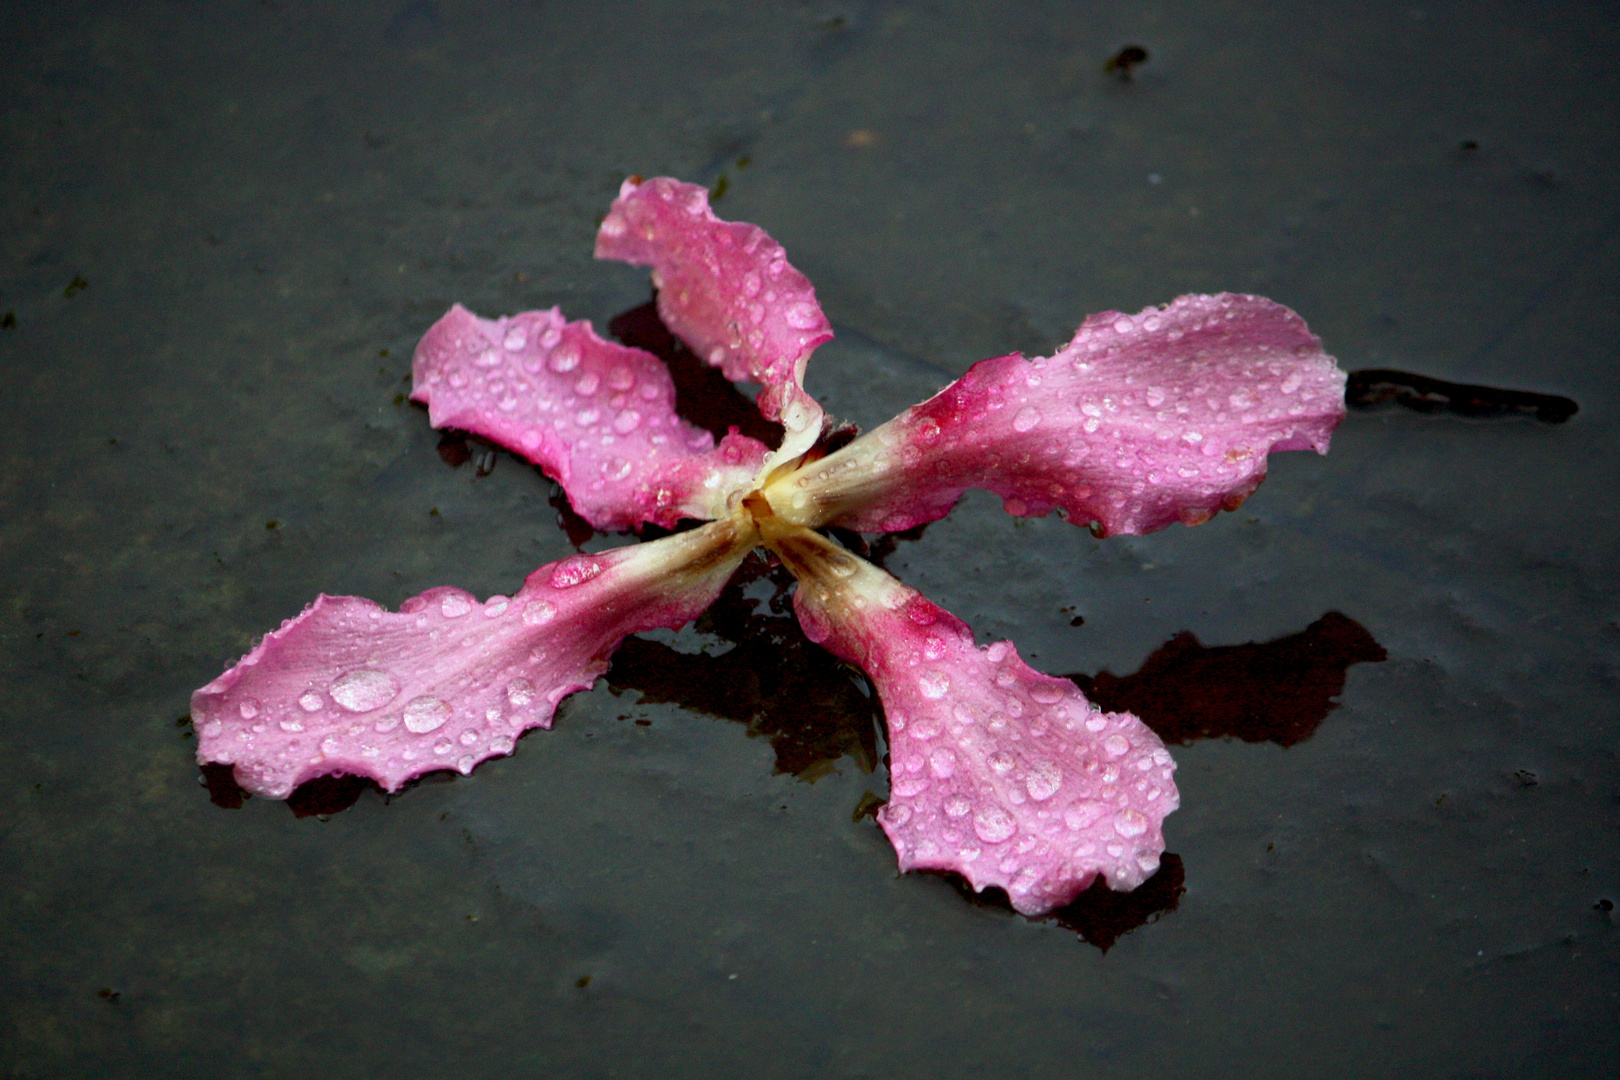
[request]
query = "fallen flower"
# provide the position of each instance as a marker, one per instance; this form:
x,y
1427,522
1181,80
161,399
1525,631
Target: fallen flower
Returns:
x,y
1006,776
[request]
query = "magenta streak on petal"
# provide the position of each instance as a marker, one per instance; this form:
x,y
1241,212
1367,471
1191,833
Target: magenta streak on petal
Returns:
x,y
997,772
1140,421
727,290
598,417
349,687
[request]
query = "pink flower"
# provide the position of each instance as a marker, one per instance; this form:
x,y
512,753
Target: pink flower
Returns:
x,y
1004,775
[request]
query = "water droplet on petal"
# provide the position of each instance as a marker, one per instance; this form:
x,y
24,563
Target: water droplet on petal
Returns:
x,y
1117,745
908,784
1082,815
957,806
574,571
249,708
1027,418
1046,693
539,612
1130,824
934,684
515,339
363,690
564,360
801,316
454,607
1043,780
626,421
520,692
425,714
310,701
993,824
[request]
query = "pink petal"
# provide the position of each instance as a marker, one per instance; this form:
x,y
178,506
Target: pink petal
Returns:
x,y
349,687
598,417
997,772
1138,422
726,289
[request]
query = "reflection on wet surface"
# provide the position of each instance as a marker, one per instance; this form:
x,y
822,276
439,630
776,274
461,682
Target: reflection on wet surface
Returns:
x,y
1378,386
809,704
815,710
703,395
1101,916
1276,691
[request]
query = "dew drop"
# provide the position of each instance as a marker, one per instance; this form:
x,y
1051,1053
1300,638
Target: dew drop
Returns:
x,y
801,316
539,612
249,708
1027,418
515,339
1082,815
310,701
571,572
520,692
993,824
454,607
1130,824
908,784
1117,745
626,422
934,684
363,690
564,360
1046,693
1043,780
425,714
957,806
